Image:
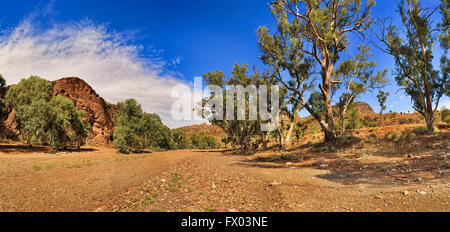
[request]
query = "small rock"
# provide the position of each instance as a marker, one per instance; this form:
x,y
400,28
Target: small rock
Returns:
x,y
275,183
163,180
421,192
323,165
406,193
289,163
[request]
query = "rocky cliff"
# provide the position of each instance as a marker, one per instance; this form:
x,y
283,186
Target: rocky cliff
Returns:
x,y
98,112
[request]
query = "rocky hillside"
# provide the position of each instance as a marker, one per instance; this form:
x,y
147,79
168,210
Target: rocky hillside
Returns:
x,y
208,129
364,108
98,112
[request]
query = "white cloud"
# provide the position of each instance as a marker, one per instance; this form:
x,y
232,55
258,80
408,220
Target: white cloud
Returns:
x,y
106,60
445,103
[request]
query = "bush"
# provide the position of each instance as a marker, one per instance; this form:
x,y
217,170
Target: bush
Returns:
x,y
445,115
420,131
403,121
136,130
391,136
203,141
371,124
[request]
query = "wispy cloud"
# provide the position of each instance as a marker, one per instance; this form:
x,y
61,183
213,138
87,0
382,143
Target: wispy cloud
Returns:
x,y
107,60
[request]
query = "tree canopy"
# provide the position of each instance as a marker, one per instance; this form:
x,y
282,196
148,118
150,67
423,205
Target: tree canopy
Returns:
x,y
43,118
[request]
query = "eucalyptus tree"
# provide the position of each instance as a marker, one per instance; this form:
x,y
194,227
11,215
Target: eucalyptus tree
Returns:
x,y
382,97
412,46
360,77
45,119
242,132
2,105
310,34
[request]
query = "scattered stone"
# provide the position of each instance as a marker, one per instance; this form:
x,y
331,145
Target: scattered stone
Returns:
x,y
406,193
275,183
421,192
324,166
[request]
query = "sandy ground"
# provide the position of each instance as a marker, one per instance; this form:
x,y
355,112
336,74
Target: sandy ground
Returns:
x,y
361,176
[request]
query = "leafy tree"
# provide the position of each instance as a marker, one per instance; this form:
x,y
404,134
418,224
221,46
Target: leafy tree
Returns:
x,y
180,139
382,96
445,115
157,134
289,109
127,136
204,141
29,100
314,34
66,126
43,118
412,47
354,120
2,105
242,133
136,130
359,75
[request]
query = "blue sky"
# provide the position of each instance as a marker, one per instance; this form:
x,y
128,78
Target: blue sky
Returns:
x,y
182,39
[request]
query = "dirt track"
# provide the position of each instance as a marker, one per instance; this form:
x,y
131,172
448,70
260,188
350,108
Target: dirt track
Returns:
x,y
101,180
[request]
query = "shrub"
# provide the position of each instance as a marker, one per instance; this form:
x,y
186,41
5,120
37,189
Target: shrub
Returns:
x,y
403,121
371,124
445,115
203,141
391,136
420,131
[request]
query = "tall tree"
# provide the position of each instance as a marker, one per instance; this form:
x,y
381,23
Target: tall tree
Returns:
x,y
412,47
241,131
312,33
2,105
126,133
360,77
382,97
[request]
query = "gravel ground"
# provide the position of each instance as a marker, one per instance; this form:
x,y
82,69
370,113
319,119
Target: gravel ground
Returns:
x,y
304,179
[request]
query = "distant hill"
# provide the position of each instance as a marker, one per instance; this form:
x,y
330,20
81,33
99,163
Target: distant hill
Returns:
x,y
364,108
208,129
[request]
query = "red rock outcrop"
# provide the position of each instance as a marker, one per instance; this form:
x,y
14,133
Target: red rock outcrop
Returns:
x,y
97,112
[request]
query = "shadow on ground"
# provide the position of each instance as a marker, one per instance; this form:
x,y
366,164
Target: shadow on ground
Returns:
x,y
377,162
13,148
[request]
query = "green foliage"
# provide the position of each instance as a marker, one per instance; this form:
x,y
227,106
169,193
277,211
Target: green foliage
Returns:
x,y
314,34
370,123
382,97
403,121
445,115
127,135
412,47
391,136
43,118
354,120
242,133
180,139
420,131
136,130
203,141
2,105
